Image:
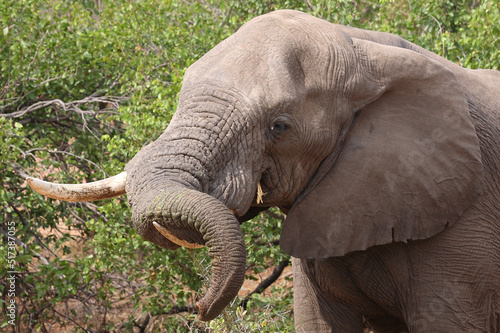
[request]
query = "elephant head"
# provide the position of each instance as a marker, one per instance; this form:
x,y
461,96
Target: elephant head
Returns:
x,y
360,143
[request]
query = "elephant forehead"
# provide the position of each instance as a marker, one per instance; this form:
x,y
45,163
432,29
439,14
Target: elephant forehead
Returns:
x,y
254,70
274,58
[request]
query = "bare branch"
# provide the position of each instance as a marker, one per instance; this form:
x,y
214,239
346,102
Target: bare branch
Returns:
x,y
310,5
73,106
62,152
264,284
70,319
17,169
144,325
37,51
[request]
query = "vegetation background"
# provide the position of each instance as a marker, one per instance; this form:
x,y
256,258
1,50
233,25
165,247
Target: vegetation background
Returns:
x,y
83,86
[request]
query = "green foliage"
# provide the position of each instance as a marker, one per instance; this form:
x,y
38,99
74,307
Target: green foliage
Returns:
x,y
465,32
264,315
83,86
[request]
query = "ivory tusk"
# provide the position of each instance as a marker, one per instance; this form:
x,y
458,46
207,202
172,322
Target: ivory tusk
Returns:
x,y
171,237
99,190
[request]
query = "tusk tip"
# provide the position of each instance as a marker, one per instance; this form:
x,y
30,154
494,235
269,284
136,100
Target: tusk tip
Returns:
x,y
174,239
32,181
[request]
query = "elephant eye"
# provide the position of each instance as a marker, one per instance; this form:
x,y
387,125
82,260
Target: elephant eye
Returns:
x,y
278,127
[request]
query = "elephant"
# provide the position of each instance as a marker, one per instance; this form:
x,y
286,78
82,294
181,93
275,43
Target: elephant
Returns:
x,y
385,158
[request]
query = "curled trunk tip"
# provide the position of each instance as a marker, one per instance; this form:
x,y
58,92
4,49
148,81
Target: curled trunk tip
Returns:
x,y
181,215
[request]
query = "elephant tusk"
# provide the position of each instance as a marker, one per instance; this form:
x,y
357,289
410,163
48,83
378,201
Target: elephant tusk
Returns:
x,y
99,190
260,194
171,237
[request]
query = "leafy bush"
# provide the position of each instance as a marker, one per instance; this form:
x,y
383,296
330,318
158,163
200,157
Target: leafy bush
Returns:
x,y
83,86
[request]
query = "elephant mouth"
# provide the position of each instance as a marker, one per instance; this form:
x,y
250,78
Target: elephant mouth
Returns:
x,y
258,203
263,192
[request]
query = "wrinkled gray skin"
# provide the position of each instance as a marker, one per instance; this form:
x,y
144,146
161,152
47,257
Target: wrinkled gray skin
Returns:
x,y
384,156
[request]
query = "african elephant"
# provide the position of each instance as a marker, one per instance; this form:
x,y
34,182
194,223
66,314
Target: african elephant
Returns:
x,y
384,156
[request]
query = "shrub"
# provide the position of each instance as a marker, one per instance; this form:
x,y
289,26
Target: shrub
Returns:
x,y
83,86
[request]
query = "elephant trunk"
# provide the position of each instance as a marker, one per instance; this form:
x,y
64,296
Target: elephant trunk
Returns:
x,y
185,216
197,218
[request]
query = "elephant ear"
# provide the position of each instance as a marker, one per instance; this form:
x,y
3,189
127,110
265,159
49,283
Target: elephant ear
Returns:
x,y
410,164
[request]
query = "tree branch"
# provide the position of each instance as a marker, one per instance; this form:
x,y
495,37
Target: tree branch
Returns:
x,y
17,169
144,325
264,284
20,243
310,5
73,106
